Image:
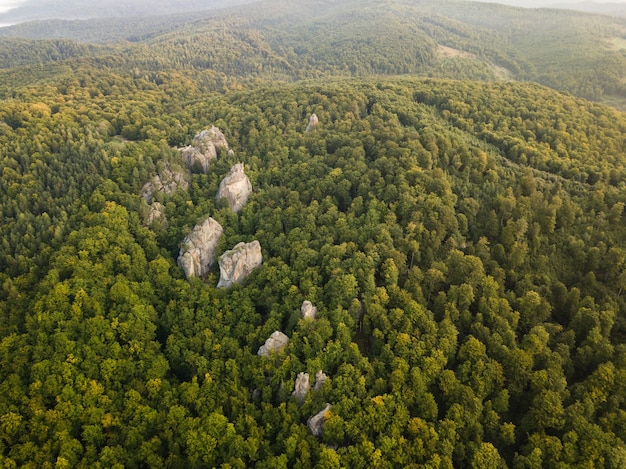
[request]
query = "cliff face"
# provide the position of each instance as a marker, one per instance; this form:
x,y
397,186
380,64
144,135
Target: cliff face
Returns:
x,y
167,181
275,342
203,149
235,187
236,264
197,253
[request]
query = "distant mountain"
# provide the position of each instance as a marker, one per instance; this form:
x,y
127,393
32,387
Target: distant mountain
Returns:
x,y
33,10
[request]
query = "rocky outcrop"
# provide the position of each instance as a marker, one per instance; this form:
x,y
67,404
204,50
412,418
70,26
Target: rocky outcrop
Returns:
x,y
302,387
235,187
202,150
308,310
316,422
277,341
197,253
236,264
156,215
320,379
313,121
167,181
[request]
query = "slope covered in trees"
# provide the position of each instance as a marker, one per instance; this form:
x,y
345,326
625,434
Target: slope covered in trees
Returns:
x,y
462,242
286,40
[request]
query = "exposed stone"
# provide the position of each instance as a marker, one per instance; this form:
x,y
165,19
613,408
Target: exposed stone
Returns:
x,y
320,379
275,342
157,214
231,152
236,264
308,310
313,121
302,387
235,187
202,151
197,253
316,422
167,181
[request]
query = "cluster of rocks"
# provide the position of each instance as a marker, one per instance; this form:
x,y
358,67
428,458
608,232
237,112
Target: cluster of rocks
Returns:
x,y
197,252
236,264
303,384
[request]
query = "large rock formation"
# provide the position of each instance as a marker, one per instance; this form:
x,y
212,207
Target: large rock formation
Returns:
x,y
302,387
235,188
320,379
156,215
167,181
308,310
236,264
202,151
275,342
316,422
313,121
198,250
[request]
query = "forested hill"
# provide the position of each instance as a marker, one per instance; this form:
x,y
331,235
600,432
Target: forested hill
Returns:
x,y
463,244
571,51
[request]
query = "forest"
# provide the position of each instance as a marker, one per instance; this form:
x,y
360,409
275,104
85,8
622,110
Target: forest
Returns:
x,y
463,242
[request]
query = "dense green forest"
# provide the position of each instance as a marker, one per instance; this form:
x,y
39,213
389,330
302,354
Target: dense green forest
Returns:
x,y
464,243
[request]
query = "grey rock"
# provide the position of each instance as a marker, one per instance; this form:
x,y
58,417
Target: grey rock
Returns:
x,y
320,379
156,215
316,422
313,121
167,181
236,264
231,152
235,187
197,253
274,343
202,150
308,310
302,387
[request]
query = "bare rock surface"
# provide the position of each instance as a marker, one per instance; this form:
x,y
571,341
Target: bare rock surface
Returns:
x,y
156,215
235,187
202,150
308,310
167,181
316,422
320,379
197,253
236,264
275,342
302,387
313,121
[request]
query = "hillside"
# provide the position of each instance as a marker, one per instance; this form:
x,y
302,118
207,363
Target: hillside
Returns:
x,y
439,262
569,51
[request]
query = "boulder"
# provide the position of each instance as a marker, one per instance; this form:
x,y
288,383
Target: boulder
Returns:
x,y
235,187
236,264
167,181
156,214
202,150
274,343
316,422
320,379
313,121
197,253
308,310
302,387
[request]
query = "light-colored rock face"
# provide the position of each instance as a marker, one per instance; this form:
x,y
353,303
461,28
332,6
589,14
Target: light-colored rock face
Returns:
x,y
308,310
213,135
316,422
167,181
198,250
320,379
198,160
313,121
156,215
236,264
302,387
235,187
274,343
202,151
